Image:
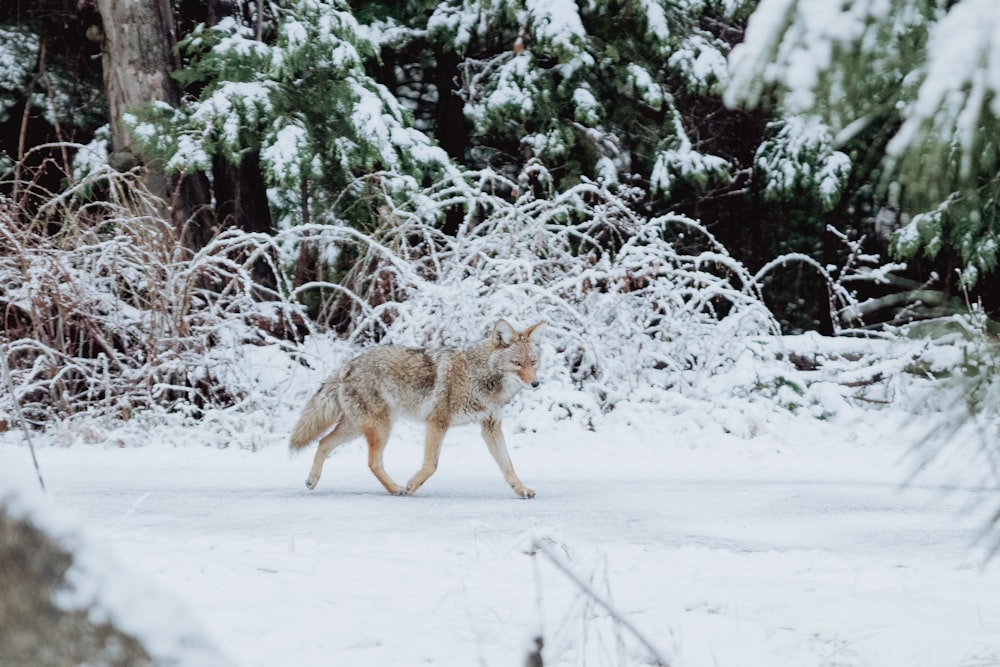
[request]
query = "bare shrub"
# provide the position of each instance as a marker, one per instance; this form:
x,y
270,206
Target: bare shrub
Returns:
x,y
625,296
105,311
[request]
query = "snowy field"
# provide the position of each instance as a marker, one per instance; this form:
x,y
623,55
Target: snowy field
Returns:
x,y
728,533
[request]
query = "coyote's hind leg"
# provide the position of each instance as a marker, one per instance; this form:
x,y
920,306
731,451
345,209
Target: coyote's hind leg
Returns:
x,y
377,435
344,431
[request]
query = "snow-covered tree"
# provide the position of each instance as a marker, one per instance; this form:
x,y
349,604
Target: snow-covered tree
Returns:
x,y
919,80
589,89
302,100
628,93
924,77
50,88
322,108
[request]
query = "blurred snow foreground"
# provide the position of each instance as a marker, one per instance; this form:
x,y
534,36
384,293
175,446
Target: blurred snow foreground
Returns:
x,y
67,600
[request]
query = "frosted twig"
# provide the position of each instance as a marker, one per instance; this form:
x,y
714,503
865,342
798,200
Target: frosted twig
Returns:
x,y
657,659
8,379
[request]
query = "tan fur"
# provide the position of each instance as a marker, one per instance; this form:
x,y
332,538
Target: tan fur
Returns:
x,y
443,388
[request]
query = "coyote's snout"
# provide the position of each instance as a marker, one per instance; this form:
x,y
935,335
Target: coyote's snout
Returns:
x,y
443,388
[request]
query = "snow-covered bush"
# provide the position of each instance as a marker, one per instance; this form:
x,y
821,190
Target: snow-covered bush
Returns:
x,y
632,301
105,311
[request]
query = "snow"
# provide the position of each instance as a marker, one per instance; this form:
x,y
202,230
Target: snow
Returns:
x,y
557,24
962,73
727,530
686,164
239,41
100,583
792,42
516,84
93,156
656,23
800,156
587,109
702,63
17,58
461,24
641,81
234,106
284,155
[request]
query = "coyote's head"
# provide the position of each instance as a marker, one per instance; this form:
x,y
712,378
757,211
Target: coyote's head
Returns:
x,y
518,351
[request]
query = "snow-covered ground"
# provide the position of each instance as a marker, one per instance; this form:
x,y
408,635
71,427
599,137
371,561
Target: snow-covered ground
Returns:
x,y
727,533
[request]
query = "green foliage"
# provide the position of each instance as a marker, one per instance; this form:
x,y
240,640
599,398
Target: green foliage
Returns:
x,y
922,68
18,51
783,391
627,92
587,87
797,161
44,92
302,100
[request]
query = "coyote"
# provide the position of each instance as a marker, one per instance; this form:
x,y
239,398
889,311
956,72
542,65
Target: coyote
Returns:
x,y
443,388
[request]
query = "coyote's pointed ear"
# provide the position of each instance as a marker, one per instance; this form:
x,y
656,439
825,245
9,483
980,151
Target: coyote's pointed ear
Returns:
x,y
503,334
535,331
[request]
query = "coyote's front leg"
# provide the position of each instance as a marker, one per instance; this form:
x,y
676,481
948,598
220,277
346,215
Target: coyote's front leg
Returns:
x,y
432,453
493,435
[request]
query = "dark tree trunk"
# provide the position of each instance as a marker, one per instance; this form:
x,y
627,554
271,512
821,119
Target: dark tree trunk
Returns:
x,y
452,132
241,202
138,57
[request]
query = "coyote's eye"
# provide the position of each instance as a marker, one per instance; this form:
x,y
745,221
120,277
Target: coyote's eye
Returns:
x,y
516,363
534,362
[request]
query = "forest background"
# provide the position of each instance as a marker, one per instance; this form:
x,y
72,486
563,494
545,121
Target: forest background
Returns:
x,y
176,167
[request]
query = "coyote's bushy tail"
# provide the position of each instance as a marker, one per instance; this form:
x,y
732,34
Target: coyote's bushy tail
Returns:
x,y
321,412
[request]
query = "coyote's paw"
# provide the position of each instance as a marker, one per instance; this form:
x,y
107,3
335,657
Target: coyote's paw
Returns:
x,y
524,492
311,483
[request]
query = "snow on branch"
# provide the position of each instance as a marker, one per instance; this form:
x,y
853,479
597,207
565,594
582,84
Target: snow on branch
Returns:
x,y
631,301
111,315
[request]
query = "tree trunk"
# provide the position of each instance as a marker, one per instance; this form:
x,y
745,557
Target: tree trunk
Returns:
x,y
138,36
241,202
138,57
240,191
452,130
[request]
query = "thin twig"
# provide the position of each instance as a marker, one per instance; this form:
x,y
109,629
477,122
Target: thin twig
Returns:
x,y
538,546
43,73
8,379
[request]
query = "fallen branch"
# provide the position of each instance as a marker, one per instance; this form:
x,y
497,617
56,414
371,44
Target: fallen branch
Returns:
x,y
20,416
539,547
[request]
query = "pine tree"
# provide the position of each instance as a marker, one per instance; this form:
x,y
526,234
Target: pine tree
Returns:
x,y
302,100
626,92
588,89
920,75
